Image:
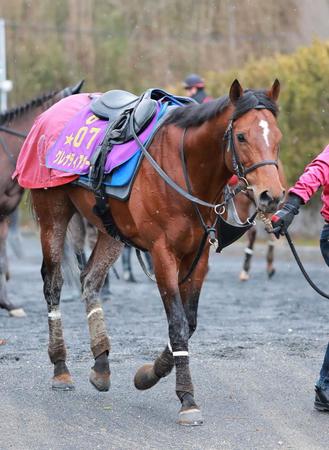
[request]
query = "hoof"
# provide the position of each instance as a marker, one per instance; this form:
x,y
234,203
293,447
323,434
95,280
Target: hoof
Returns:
x,y
190,417
270,273
244,276
128,276
145,377
17,312
101,381
63,382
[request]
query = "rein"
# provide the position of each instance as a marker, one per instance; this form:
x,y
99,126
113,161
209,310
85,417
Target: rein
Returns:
x,y
300,265
13,132
4,145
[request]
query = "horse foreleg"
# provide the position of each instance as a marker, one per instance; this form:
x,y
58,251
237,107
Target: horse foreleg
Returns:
x,y
54,213
270,257
4,274
165,269
105,253
244,275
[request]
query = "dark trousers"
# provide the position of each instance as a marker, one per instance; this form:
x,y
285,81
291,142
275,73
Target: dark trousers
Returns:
x,y
324,246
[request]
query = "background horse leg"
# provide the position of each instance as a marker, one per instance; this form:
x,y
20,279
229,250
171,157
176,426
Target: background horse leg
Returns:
x,y
126,264
166,268
105,253
4,274
54,211
270,257
244,275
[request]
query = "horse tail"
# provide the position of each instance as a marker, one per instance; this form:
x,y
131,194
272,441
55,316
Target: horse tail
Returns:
x,y
30,207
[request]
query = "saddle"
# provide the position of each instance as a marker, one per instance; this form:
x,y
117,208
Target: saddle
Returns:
x,y
128,115
117,105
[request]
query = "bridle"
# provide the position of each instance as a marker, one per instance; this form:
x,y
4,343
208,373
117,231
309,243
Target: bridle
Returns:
x,y
238,168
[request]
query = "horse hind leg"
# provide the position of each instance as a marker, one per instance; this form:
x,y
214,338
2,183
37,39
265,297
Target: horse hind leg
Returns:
x,y
249,250
270,258
54,211
105,253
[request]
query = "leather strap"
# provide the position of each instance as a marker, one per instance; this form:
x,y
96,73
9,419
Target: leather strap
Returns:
x,y
13,132
266,162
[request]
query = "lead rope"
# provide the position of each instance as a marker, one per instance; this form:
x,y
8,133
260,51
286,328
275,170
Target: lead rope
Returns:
x,y
300,265
269,229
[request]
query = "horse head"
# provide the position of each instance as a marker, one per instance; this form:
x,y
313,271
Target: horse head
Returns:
x,y
253,139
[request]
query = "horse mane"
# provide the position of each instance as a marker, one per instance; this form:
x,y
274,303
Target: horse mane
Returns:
x,y
195,115
17,111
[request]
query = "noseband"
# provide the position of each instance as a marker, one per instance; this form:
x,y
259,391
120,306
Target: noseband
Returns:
x,y
238,167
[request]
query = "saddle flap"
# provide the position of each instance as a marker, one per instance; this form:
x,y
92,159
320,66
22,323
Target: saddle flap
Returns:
x,y
110,105
143,113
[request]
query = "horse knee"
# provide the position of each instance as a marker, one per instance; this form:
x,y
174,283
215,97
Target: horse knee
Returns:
x,y
52,286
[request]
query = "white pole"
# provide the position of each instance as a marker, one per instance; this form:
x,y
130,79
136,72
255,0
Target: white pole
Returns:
x,y
5,85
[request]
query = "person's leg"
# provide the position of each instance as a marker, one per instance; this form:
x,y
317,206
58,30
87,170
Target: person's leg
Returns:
x,y
322,385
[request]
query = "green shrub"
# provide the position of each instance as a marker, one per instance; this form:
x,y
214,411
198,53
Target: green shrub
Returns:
x,y
304,99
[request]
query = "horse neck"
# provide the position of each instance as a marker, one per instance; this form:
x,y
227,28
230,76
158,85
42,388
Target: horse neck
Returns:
x,y
23,123
204,152
24,119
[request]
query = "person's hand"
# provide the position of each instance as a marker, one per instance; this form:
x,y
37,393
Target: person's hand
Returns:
x,y
282,219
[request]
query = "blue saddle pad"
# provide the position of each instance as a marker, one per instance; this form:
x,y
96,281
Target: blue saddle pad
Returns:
x,y
122,174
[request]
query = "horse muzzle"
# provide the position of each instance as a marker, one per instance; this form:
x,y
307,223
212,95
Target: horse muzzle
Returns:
x,y
268,203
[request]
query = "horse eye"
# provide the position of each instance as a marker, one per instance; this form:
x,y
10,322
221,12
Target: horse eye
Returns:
x,y
241,137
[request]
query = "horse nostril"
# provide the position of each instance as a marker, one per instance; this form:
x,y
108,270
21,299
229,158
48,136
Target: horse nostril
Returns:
x,y
265,198
267,202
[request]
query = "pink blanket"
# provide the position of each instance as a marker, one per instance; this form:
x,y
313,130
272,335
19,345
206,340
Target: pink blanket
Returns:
x,y
31,171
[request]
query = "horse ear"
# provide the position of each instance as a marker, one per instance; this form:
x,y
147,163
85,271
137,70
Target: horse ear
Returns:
x,y
236,91
274,92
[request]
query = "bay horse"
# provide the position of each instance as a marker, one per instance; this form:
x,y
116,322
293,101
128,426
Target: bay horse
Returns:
x,y
199,145
15,124
244,204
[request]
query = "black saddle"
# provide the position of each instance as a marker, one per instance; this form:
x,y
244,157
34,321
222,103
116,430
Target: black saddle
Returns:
x,y
128,116
117,105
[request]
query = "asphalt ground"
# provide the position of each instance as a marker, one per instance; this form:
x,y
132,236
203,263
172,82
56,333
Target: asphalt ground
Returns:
x,y
254,359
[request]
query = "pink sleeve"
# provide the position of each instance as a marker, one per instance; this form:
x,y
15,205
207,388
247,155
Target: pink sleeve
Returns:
x,y
315,175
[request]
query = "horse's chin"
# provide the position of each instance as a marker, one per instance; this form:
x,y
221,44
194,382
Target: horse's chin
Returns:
x,y
266,209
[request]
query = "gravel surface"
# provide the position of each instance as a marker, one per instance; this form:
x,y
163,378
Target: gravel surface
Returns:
x,y
254,359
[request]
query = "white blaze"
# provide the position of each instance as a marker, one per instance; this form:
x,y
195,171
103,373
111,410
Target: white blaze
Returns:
x,y
266,131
